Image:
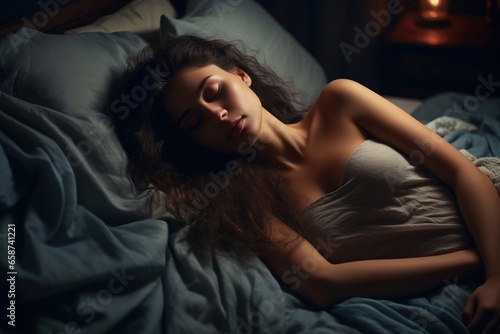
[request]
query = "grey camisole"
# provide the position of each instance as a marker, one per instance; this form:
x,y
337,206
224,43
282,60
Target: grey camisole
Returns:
x,y
385,208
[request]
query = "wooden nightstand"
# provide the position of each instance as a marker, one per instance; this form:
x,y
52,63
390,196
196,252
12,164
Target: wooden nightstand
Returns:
x,y
420,61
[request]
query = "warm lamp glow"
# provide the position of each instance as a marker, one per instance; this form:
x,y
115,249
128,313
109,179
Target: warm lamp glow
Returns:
x,y
434,10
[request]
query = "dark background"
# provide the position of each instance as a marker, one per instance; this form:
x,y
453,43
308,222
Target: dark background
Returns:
x,y
324,26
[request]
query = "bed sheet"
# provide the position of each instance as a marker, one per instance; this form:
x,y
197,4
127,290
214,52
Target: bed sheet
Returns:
x,y
483,113
79,271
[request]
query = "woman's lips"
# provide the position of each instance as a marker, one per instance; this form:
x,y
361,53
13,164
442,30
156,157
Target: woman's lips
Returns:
x,y
235,128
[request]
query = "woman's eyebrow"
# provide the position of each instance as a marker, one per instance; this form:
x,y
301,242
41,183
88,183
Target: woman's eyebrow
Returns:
x,y
198,92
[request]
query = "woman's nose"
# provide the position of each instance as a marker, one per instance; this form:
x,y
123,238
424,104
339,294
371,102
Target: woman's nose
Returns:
x,y
218,115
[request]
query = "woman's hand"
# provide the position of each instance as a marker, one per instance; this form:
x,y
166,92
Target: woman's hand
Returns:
x,y
482,310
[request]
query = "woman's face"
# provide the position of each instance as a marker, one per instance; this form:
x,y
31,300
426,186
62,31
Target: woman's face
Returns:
x,y
216,108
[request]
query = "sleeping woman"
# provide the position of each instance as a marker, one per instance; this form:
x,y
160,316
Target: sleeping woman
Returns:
x,y
358,197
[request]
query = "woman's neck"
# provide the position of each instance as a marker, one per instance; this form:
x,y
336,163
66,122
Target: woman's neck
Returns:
x,y
279,143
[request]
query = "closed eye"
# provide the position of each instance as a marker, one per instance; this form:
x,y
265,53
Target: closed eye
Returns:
x,y
217,93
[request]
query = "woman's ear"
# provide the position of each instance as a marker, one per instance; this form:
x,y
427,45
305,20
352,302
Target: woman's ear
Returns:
x,y
243,75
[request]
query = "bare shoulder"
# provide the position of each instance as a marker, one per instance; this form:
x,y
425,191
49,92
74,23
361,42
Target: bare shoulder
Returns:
x,y
382,120
330,105
334,94
333,110
338,90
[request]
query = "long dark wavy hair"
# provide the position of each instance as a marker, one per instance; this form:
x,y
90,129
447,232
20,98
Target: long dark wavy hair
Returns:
x,y
227,198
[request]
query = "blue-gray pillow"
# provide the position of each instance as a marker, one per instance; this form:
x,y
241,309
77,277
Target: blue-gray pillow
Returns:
x,y
69,73
67,79
246,21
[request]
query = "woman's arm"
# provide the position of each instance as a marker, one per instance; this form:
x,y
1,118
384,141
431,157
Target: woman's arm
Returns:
x,y
475,193
297,263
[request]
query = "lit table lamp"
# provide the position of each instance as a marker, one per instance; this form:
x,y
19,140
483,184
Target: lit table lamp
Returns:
x,y
434,10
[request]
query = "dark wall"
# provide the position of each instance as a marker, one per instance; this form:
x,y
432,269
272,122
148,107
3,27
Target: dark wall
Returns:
x,y
335,32
14,9
328,29
319,25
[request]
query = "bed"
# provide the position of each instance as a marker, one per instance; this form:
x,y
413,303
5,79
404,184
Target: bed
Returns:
x,y
80,251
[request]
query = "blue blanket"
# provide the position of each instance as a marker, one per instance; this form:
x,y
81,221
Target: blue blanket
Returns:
x,y
89,260
482,113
